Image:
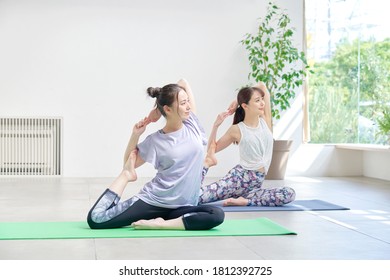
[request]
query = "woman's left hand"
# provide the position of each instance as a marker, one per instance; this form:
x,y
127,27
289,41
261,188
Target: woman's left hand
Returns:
x,y
154,115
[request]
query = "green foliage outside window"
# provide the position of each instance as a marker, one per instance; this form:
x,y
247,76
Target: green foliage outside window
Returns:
x,y
349,92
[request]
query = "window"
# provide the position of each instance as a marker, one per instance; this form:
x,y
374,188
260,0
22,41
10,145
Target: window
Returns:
x,y
348,45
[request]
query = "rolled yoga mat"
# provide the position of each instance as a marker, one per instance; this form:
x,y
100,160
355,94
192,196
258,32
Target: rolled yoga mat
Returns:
x,y
79,230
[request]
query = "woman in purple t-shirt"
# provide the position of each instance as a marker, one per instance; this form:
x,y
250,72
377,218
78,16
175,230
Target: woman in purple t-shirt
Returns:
x,y
169,200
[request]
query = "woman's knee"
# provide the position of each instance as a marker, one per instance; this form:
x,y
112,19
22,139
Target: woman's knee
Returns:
x,y
286,195
204,220
219,216
91,223
290,194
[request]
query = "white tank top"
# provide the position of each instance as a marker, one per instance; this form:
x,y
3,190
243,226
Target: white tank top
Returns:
x,y
255,146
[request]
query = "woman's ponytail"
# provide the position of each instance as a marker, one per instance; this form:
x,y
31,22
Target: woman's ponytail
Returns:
x,y
239,115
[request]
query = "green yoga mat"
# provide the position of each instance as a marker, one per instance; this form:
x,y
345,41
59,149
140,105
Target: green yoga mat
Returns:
x,y
78,230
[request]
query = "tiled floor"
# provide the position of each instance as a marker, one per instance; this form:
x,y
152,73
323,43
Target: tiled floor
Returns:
x,y
362,233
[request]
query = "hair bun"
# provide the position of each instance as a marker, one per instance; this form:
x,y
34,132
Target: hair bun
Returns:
x,y
154,91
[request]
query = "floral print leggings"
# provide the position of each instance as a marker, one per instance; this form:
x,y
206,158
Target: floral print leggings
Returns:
x,y
248,184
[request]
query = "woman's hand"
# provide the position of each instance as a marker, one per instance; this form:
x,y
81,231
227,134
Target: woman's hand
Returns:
x,y
221,117
232,107
140,126
154,115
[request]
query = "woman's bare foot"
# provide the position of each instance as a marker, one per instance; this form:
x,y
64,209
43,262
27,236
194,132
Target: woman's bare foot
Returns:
x,y
235,202
129,168
159,223
148,224
210,159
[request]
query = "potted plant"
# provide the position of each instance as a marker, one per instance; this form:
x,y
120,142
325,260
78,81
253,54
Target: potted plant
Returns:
x,y
275,61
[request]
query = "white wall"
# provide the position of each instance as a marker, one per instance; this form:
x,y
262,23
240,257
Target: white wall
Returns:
x,y
90,61
320,160
376,164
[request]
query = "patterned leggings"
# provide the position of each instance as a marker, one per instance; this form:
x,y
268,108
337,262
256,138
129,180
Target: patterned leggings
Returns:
x,y
248,184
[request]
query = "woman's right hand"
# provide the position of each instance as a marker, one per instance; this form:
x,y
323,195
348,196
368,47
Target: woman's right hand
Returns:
x,y
221,117
232,107
140,126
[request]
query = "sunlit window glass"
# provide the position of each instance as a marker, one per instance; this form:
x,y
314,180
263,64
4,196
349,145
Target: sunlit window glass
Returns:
x,y
348,44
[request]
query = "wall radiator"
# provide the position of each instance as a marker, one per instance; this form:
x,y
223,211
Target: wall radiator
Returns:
x,y
30,146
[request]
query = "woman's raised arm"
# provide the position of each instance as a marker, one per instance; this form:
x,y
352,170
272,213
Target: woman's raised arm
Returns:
x,y
267,107
183,83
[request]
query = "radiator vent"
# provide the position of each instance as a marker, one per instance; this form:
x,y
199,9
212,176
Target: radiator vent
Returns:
x,y
30,146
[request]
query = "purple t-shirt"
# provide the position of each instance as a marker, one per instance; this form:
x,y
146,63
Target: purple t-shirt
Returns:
x,y
178,158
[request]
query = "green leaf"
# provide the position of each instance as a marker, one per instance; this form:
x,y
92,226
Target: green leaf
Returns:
x,y
271,54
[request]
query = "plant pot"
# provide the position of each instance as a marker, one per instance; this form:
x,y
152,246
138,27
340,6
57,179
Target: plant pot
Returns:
x,y
277,169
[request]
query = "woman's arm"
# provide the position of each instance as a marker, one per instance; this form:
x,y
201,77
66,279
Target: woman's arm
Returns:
x,y
183,83
213,135
230,136
138,129
267,108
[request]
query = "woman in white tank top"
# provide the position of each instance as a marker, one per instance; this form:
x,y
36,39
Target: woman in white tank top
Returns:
x,y
251,130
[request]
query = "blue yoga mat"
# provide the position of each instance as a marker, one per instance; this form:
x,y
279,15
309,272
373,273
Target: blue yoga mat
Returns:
x,y
297,205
